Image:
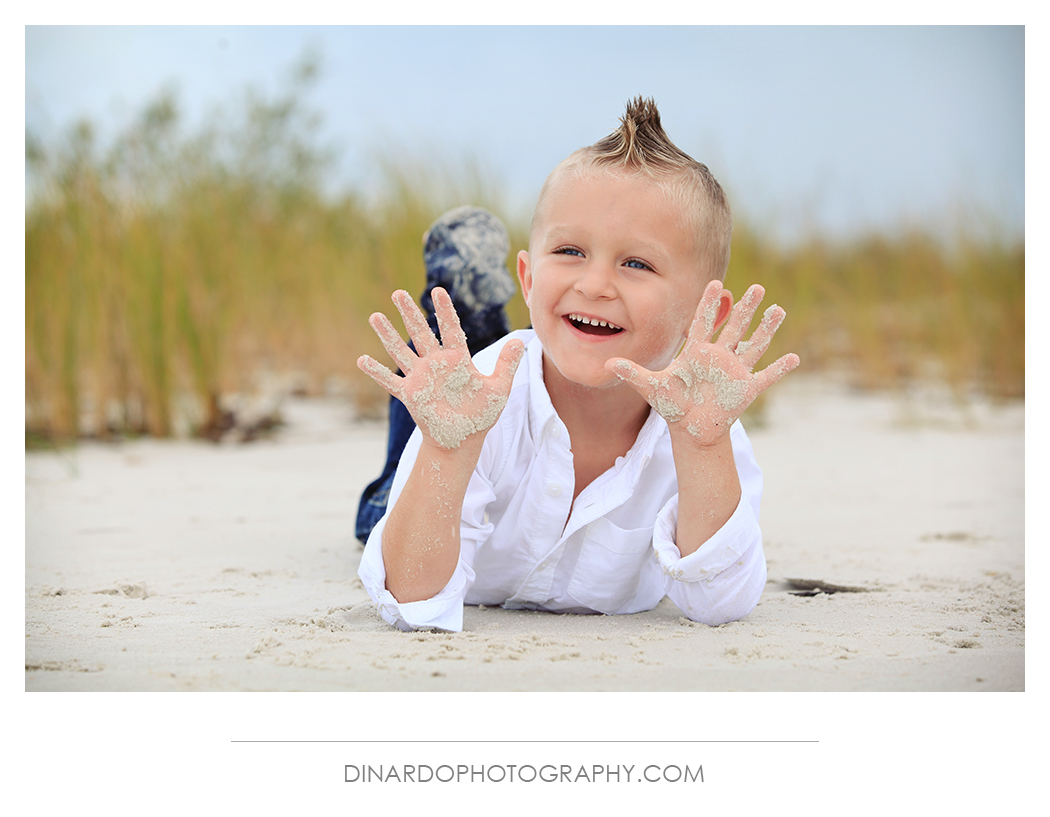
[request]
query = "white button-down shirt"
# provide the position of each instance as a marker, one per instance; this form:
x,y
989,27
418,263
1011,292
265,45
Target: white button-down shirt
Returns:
x,y
615,554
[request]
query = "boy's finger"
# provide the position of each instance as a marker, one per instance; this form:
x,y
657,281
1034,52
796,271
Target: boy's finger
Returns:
x,y
740,319
635,376
774,371
418,329
771,320
703,326
507,363
392,341
381,375
452,335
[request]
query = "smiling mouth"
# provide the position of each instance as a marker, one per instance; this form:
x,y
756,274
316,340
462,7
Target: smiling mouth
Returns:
x,y
593,326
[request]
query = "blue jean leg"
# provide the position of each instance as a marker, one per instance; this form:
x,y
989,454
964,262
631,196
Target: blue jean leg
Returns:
x,y
375,497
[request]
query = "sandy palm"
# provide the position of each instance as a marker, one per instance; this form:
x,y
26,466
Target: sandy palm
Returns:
x,y
711,383
442,389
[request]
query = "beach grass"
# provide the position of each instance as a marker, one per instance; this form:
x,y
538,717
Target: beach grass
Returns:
x,y
170,271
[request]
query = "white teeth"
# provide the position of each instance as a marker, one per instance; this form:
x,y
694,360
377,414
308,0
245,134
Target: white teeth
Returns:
x,y
592,321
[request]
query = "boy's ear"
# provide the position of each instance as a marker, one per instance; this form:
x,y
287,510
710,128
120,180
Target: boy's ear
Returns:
x,y
525,274
725,306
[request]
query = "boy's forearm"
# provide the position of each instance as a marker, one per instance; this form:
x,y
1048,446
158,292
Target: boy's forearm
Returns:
x,y
708,489
421,540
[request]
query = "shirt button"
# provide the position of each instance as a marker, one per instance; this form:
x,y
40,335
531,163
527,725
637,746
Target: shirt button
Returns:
x,y
554,489
556,431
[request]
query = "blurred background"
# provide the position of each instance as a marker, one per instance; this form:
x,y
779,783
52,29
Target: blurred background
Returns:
x,y
213,212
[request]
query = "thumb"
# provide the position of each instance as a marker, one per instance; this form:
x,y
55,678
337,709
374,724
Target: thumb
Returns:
x,y
635,376
507,363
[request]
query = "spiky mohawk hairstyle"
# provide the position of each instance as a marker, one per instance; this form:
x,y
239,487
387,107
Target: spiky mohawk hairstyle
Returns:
x,y
640,144
640,141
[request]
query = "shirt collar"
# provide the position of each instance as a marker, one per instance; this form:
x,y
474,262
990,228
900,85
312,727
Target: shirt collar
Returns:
x,y
641,452
542,413
541,410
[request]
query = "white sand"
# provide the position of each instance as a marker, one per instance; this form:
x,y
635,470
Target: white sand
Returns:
x,y
185,566
188,566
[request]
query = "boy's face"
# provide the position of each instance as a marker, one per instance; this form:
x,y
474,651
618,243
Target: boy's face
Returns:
x,y
608,248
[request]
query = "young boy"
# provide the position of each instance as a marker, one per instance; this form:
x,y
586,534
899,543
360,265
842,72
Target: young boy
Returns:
x,y
609,469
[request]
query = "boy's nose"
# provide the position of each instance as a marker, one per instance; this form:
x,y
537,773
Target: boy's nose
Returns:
x,y
596,281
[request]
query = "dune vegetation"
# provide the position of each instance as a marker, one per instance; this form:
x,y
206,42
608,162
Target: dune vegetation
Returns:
x,y
171,270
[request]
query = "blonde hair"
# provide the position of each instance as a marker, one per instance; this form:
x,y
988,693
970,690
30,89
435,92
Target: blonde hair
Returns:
x,y
640,145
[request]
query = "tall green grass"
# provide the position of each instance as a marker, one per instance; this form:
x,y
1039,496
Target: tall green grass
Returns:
x,y
169,271
889,311
165,273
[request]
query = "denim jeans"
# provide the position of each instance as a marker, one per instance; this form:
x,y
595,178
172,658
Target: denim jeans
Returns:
x,y
376,495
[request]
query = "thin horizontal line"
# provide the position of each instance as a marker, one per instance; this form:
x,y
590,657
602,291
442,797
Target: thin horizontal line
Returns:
x,y
524,741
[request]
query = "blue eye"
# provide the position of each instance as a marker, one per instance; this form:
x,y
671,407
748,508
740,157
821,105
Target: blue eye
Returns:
x,y
635,263
567,251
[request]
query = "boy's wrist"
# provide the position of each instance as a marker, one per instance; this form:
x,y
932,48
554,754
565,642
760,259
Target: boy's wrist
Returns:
x,y
469,448
712,439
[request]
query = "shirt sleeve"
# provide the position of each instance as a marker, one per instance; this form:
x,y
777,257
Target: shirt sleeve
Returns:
x,y
724,578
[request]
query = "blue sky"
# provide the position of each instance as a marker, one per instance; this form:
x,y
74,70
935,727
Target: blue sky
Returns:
x,y
837,129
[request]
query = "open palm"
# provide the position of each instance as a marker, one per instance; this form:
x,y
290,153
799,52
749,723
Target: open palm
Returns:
x,y
710,383
444,392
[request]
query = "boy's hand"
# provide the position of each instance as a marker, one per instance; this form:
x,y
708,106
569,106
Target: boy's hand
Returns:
x,y
710,383
449,399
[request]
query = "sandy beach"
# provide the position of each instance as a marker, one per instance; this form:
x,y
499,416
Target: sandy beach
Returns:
x,y
893,526
895,536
